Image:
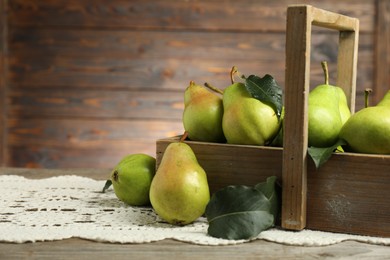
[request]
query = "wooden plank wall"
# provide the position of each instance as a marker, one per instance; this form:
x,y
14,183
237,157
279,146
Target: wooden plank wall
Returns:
x,y
90,81
3,83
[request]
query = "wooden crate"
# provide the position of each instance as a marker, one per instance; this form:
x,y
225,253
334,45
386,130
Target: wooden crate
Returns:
x,y
351,192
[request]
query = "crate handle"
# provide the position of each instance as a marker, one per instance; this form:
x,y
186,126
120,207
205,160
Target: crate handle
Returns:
x,y
300,19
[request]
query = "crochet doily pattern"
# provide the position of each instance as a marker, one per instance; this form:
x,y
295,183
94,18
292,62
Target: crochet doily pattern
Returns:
x,y
72,206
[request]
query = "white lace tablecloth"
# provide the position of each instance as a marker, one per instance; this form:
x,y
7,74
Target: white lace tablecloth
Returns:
x,y
71,206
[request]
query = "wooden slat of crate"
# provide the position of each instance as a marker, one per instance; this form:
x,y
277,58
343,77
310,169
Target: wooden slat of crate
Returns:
x,y
349,194
382,50
231,164
300,19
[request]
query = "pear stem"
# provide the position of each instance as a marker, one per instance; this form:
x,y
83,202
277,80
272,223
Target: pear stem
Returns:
x,y
184,136
324,65
192,82
367,92
215,89
233,71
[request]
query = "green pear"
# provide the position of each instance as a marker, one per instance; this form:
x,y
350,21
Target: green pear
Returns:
x,y
328,111
179,191
345,112
131,178
247,120
202,116
368,130
385,100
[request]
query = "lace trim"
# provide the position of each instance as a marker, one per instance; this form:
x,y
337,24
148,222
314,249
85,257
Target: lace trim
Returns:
x,y
72,206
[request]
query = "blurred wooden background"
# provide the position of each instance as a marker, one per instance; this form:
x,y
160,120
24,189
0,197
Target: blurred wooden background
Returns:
x,y
85,82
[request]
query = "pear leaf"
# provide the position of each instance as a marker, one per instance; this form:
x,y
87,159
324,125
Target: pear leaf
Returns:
x,y
322,155
238,212
107,185
271,189
267,90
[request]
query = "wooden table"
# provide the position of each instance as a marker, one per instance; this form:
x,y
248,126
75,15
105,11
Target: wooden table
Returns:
x,y
75,248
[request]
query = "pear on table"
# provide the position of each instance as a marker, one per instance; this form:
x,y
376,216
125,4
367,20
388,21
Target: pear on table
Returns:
x,y
179,191
131,178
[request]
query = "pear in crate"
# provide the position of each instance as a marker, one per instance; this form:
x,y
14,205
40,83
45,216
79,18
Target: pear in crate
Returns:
x,y
328,111
179,191
202,116
247,120
368,130
345,112
385,100
131,178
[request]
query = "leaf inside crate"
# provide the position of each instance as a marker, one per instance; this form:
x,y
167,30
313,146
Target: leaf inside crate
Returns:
x,y
321,155
267,90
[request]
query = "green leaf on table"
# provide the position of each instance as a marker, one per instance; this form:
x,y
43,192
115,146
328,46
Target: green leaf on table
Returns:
x,y
107,185
322,155
272,191
267,90
238,212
